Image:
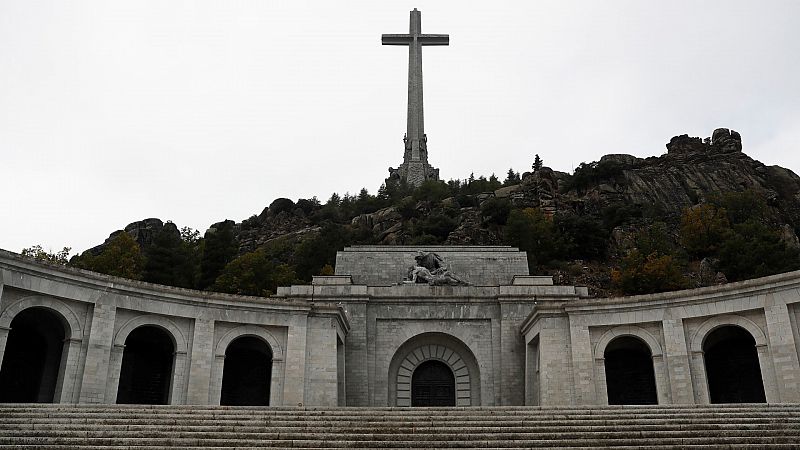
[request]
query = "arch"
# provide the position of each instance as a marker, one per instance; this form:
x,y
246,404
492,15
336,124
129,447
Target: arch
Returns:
x,y
72,325
712,323
247,373
732,366
277,371
32,368
433,383
627,330
147,367
439,347
178,339
630,372
249,330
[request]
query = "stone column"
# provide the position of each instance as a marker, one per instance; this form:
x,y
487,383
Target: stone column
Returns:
x,y
783,349
676,357
582,365
68,372
555,374
355,355
96,375
215,390
114,370
201,363
699,379
276,382
767,374
512,354
662,380
3,340
600,381
321,386
294,385
177,392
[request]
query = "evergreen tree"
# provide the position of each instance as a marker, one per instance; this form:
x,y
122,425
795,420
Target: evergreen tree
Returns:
x,y
37,252
537,163
169,259
121,257
219,249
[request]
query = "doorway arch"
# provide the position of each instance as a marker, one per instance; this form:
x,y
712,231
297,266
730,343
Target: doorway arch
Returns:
x,y
147,366
247,374
32,364
433,384
447,350
630,376
733,371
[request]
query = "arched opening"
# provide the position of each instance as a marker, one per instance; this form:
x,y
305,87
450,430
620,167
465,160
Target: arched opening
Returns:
x,y
630,378
732,368
32,360
247,373
146,370
433,384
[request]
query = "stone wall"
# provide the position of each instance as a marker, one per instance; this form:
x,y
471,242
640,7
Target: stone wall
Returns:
x,y
374,265
337,341
99,312
673,326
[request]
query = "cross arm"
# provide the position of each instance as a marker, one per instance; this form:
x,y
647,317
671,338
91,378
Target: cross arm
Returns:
x,y
434,39
423,39
396,39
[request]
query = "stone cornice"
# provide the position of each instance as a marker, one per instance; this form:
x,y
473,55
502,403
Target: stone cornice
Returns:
x,y
748,288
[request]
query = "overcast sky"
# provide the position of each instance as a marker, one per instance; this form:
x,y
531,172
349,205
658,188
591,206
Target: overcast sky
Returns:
x,y
199,111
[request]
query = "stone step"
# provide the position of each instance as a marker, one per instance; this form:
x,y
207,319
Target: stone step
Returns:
x,y
418,435
686,425
139,427
616,447
394,410
408,413
589,442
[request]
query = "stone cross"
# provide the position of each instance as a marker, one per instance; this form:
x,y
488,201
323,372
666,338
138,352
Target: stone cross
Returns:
x,y
415,139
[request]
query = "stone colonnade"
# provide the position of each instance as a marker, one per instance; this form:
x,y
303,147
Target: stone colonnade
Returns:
x,y
98,313
674,327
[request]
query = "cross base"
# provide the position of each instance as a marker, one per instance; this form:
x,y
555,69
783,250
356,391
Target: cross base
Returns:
x,y
414,172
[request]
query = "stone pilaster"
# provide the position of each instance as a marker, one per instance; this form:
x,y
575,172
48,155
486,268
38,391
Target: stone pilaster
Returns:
x,y
356,365
783,349
321,387
582,365
294,386
200,363
512,354
676,357
96,374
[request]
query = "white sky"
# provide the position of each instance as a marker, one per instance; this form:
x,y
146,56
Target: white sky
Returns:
x,y
198,111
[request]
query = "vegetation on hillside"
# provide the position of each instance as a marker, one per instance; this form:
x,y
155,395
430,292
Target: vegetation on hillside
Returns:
x,y
624,248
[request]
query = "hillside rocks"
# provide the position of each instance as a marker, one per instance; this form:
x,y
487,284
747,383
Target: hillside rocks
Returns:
x,y
690,172
658,188
143,232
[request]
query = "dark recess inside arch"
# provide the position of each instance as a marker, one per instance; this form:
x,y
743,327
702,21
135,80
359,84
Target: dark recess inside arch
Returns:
x,y
732,368
630,378
246,376
146,370
433,384
32,357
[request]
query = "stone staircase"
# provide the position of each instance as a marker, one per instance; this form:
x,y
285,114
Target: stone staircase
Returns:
x,y
160,427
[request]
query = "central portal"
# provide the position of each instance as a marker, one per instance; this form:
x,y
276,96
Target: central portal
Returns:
x,y
433,384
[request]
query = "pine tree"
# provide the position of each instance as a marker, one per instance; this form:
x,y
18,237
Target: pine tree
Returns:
x,y
537,163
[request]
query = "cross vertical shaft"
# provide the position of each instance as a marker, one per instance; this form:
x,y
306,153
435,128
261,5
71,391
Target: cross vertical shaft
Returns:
x,y
415,128
416,148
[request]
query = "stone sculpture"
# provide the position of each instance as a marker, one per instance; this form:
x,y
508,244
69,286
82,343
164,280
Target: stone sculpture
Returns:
x,y
431,269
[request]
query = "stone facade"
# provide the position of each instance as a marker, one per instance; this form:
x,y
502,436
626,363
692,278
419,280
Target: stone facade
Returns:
x,y
356,338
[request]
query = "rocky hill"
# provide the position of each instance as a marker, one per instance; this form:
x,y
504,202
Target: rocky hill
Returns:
x,y
595,217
